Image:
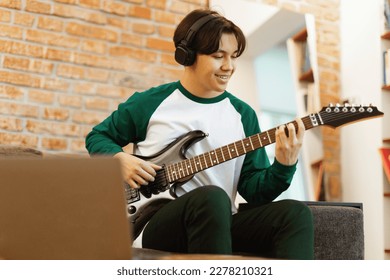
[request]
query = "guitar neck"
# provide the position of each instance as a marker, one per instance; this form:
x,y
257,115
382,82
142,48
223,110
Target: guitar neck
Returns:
x,y
189,167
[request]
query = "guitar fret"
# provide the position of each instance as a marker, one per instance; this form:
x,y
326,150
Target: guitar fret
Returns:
x,y
235,148
258,136
214,159
205,161
190,166
169,174
198,164
243,146
250,141
269,137
211,160
223,157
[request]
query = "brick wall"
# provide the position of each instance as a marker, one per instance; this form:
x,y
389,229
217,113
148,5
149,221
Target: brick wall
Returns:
x,y
66,64
328,55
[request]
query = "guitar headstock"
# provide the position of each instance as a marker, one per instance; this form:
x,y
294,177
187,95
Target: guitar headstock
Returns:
x,y
338,115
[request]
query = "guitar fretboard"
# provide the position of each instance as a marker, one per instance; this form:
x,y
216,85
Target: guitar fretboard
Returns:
x,y
189,167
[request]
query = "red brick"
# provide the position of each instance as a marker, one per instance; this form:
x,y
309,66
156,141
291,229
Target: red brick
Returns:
x,y
134,53
22,49
55,84
160,44
167,73
144,28
53,128
61,55
14,32
168,59
59,114
70,71
11,124
166,31
111,91
56,144
5,16
159,4
98,75
180,7
16,63
133,40
89,31
20,79
18,139
15,109
40,66
115,8
91,118
70,100
38,7
10,92
95,4
12,4
78,146
53,39
43,97
165,17
24,19
94,46
96,103
50,24
140,12
84,88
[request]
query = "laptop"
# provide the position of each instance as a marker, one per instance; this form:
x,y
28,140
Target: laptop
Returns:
x,y
63,209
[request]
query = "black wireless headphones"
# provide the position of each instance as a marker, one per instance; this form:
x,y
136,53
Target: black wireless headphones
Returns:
x,y
183,54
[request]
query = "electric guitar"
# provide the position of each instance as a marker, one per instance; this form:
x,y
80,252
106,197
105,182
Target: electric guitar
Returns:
x,y
176,170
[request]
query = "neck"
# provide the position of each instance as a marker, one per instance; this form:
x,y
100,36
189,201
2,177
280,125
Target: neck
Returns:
x,y
195,87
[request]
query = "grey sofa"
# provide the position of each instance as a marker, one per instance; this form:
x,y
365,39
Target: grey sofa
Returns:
x,y
338,227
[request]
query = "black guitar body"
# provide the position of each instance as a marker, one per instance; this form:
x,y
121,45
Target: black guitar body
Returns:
x,y
143,210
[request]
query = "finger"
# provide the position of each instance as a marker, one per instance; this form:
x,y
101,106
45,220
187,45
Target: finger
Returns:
x,y
301,129
147,171
133,184
140,180
281,136
155,166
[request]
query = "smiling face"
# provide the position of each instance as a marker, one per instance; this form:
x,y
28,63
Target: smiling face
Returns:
x,y
209,76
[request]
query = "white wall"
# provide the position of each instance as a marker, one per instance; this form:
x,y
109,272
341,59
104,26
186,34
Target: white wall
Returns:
x,y
361,80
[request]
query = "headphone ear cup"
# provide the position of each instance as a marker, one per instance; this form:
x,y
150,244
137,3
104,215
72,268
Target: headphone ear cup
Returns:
x,y
184,55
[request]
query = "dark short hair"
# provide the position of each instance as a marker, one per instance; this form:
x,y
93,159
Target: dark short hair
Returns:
x,y
208,37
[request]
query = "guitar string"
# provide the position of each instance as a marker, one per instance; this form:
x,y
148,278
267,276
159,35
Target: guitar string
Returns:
x,y
306,120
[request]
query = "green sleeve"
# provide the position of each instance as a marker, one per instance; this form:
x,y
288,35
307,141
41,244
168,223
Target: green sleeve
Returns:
x,y
259,181
128,124
115,132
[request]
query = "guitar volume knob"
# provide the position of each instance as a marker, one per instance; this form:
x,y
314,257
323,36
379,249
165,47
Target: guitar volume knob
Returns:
x,y
131,209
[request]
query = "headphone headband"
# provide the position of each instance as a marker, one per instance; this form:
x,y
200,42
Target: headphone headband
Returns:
x,y
183,54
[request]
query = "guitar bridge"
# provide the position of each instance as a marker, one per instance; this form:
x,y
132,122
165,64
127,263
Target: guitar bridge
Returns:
x,y
132,195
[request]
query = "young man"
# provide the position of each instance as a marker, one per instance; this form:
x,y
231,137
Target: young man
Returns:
x,y
204,218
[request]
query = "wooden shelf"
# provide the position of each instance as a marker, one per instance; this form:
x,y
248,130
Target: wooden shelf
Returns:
x,y
386,87
386,194
386,36
386,140
309,77
301,36
387,251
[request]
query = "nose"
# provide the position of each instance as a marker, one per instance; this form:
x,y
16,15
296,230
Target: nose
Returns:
x,y
228,64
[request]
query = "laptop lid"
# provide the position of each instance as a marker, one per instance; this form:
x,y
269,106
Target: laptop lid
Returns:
x,y
63,208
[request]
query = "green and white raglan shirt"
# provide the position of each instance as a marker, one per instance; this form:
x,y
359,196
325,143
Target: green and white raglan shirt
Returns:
x,y
155,118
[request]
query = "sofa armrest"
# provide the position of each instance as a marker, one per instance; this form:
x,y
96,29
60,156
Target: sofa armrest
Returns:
x,y
338,230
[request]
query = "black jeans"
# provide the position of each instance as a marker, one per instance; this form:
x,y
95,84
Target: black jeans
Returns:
x,y
201,222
